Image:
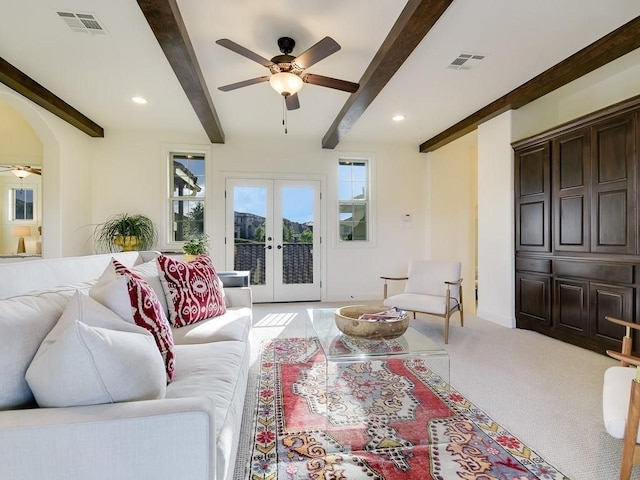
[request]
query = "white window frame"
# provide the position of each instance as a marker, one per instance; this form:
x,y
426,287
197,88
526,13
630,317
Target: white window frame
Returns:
x,y
12,204
168,153
367,202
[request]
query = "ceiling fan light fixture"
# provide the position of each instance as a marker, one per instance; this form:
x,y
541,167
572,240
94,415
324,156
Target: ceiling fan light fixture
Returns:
x,y
286,83
20,173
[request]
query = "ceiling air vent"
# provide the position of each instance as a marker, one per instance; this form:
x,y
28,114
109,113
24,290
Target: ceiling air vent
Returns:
x,y
466,61
82,22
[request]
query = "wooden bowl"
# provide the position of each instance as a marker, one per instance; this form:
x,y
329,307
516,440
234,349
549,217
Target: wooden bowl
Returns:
x,y
348,323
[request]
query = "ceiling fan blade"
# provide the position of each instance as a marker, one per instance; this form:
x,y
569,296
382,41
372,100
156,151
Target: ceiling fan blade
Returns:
x,y
244,83
292,101
317,52
245,52
331,82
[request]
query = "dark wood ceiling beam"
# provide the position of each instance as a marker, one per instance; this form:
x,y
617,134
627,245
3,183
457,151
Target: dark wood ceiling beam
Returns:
x,y
167,25
608,48
29,88
415,21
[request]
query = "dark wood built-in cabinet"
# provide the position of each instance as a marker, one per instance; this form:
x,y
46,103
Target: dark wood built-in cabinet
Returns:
x,y
577,252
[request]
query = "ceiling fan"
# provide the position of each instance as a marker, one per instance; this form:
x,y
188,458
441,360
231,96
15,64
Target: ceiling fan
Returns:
x,y
288,71
21,171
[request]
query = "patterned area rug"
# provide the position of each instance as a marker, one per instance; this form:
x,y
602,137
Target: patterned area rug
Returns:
x,y
376,420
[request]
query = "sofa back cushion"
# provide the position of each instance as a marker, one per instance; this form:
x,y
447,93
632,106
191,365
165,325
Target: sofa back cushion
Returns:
x,y
24,322
24,277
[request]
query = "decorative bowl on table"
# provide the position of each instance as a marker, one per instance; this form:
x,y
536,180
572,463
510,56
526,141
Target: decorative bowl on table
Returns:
x,y
350,321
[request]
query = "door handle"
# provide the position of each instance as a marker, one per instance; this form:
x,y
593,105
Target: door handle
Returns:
x,y
279,247
268,247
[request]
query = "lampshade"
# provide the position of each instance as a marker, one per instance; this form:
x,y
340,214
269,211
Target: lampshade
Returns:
x,y
18,172
286,83
21,231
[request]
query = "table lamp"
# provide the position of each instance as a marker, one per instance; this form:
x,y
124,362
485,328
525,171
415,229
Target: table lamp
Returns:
x,y
21,232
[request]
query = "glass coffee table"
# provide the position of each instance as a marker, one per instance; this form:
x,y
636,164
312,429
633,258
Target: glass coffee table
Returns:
x,y
339,347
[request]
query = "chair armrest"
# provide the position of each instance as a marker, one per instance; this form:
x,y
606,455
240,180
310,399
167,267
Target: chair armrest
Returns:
x,y
635,326
626,359
238,296
384,291
119,440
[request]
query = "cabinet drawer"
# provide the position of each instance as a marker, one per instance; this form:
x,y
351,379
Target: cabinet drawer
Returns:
x,y
610,273
538,265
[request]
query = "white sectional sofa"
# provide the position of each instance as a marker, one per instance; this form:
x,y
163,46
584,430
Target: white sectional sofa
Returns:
x,y
192,433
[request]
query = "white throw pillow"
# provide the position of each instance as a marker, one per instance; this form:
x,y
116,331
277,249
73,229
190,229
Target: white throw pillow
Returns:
x,y
92,356
112,292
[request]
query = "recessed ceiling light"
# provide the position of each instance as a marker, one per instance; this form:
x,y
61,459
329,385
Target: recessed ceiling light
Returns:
x,y
139,100
397,118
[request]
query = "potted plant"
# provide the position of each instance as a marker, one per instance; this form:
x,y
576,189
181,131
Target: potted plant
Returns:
x,y
195,246
125,232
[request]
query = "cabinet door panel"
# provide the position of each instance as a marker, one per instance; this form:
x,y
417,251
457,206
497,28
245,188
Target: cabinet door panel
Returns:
x,y
571,306
571,178
533,300
532,196
613,186
609,300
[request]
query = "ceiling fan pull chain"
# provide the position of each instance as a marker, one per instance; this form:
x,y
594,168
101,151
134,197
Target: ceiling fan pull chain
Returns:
x,y
284,114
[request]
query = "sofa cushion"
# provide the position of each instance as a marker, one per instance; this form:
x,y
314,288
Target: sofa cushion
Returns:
x,y
24,322
193,289
218,371
92,356
127,294
235,324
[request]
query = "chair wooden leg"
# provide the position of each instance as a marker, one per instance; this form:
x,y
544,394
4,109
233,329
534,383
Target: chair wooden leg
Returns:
x,y
631,432
446,329
461,309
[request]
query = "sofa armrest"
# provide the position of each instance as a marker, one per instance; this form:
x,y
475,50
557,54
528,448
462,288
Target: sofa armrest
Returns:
x,y
238,297
155,439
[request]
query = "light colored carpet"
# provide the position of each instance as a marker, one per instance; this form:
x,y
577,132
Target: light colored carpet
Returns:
x,y
545,392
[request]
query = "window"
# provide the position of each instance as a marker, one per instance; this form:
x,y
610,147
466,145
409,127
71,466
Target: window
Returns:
x,y
353,200
187,196
21,201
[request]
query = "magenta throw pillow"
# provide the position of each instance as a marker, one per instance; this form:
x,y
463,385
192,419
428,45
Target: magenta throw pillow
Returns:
x,y
193,290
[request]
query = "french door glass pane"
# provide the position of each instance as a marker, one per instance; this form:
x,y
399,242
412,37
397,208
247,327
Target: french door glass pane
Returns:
x,y
249,231
297,235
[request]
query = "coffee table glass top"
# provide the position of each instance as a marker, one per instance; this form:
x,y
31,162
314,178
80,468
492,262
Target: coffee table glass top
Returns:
x,y
339,347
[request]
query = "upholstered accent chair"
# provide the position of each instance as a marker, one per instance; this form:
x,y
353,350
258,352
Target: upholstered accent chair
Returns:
x,y
432,287
621,399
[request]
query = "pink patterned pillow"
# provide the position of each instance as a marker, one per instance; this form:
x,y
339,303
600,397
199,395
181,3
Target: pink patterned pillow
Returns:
x,y
148,313
193,290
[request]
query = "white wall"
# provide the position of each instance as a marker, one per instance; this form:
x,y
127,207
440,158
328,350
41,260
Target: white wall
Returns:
x,y
453,196
129,175
615,82
496,221
66,179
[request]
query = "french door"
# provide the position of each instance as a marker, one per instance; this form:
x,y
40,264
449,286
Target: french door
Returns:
x,y
275,225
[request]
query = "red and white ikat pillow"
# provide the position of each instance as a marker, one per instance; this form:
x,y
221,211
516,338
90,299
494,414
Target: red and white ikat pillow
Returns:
x,y
146,311
193,290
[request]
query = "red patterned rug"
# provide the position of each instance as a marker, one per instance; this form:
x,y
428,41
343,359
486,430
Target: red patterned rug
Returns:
x,y
375,420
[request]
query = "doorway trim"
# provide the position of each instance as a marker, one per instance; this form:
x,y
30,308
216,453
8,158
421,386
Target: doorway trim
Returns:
x,y
322,179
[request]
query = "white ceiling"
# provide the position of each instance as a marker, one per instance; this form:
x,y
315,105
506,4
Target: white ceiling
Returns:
x,y
98,74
